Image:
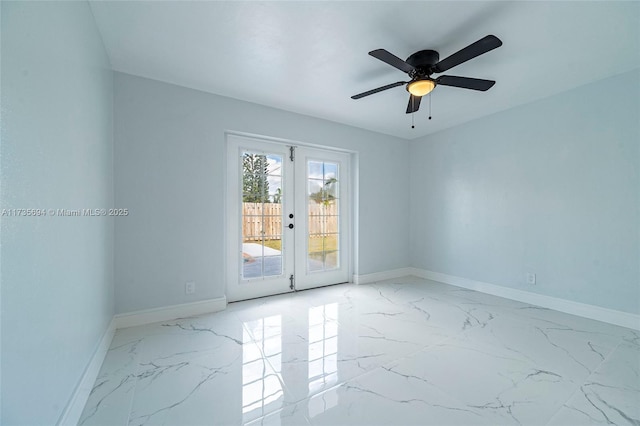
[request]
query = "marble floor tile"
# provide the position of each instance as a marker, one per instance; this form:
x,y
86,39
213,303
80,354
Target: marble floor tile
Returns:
x,y
110,399
387,397
288,416
572,352
611,395
490,381
404,351
226,387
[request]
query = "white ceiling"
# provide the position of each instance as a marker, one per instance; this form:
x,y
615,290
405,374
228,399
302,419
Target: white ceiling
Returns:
x,y
310,57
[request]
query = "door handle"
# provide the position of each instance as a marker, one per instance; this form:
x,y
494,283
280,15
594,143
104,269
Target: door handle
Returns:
x,y
291,226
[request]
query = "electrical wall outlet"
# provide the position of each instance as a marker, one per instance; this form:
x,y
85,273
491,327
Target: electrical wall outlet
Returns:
x,y
190,287
531,278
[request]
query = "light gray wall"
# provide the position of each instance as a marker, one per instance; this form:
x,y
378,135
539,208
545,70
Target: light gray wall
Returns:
x,y
57,152
170,170
551,187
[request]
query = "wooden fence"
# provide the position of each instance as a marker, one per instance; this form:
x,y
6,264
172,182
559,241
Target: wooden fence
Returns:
x,y
266,220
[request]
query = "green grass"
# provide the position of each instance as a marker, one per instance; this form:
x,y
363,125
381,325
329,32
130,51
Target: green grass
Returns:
x,y
316,244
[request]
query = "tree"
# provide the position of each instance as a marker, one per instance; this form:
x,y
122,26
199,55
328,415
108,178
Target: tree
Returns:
x,y
277,197
255,186
326,194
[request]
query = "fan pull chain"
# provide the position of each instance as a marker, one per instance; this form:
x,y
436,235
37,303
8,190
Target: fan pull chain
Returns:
x,y
413,113
429,106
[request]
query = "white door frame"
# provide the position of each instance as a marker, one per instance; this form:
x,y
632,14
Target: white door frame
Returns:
x,y
235,141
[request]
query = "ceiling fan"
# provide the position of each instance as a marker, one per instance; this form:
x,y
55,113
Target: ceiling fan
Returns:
x,y
422,64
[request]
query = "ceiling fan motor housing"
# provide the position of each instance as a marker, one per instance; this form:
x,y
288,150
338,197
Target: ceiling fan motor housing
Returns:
x,y
423,62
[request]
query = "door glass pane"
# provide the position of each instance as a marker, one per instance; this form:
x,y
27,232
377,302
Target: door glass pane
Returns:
x,y
315,248
322,216
261,254
331,224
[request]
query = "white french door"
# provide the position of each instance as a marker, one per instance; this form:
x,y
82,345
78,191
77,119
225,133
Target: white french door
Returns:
x,y
288,218
322,205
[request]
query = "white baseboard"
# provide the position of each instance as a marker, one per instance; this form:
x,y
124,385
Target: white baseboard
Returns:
x,y
381,276
611,316
73,411
168,313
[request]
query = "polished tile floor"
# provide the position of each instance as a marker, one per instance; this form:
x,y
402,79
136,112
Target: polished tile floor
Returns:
x,y
399,352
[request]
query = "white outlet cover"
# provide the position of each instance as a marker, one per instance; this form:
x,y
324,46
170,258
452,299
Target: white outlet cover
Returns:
x,y
190,287
531,278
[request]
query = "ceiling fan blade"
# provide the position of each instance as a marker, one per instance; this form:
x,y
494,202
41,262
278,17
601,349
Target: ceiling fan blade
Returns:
x,y
379,89
481,46
391,59
465,82
414,104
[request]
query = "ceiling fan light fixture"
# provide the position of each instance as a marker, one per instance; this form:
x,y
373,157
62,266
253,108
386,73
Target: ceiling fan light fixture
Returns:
x,y
421,87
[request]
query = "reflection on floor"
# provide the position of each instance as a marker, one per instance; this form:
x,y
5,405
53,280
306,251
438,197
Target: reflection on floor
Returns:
x,y
406,351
